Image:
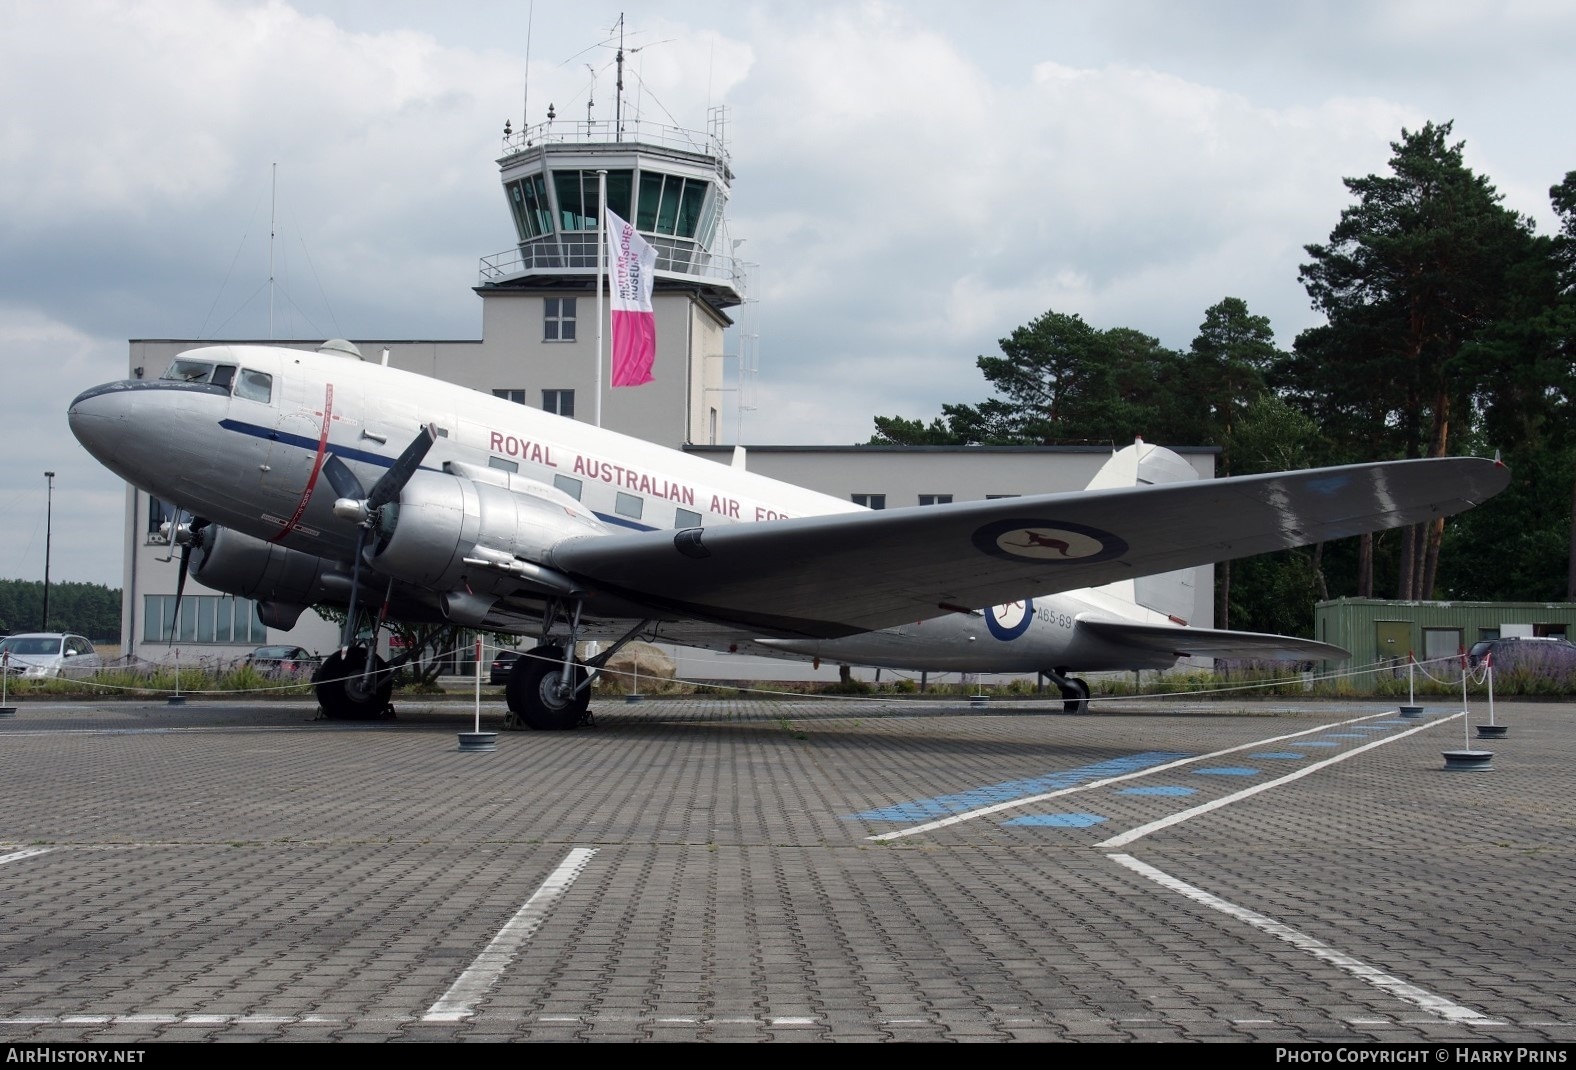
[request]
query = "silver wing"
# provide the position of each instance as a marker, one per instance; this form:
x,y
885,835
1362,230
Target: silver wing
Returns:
x,y
830,576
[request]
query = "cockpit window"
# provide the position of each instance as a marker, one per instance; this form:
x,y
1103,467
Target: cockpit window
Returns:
x,y
200,371
254,386
188,371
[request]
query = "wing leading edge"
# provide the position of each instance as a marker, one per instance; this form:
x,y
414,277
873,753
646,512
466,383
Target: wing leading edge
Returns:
x,y
828,576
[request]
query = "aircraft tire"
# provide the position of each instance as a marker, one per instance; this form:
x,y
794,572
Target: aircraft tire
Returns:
x,y
532,691
341,692
1076,696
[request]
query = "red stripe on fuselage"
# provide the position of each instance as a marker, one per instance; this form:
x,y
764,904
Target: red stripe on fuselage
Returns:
x,y
317,465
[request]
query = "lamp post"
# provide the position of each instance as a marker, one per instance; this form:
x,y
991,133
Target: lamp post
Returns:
x,y
49,531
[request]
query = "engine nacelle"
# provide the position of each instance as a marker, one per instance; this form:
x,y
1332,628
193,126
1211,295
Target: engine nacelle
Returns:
x,y
240,565
503,527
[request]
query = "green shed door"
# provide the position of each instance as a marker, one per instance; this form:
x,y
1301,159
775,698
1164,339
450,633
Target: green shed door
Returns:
x,y
1392,640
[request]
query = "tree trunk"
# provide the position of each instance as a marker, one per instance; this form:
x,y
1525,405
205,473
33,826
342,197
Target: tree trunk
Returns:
x,y
1365,565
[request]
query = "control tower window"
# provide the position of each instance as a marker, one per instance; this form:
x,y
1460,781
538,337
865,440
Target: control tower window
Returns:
x,y
577,201
558,319
670,204
528,201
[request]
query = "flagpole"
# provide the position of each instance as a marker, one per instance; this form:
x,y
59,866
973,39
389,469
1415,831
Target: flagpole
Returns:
x,y
601,267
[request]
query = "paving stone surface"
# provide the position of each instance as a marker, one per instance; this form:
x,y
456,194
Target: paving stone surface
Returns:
x,y
788,870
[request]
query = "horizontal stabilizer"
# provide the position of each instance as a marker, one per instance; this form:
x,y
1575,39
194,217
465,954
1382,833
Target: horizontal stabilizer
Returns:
x,y
1212,642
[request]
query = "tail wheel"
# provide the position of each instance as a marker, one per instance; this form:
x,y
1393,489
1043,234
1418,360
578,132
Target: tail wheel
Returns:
x,y
1075,696
346,694
536,695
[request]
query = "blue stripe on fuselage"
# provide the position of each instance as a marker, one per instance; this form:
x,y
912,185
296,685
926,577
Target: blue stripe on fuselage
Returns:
x,y
309,444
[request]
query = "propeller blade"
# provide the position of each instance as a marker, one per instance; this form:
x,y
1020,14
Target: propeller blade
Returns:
x,y
388,486
192,540
342,479
349,635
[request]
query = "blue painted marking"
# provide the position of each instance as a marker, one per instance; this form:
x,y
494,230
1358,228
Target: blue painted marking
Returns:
x,y
305,443
1277,754
349,454
1228,770
1371,728
1396,723
1059,821
1158,791
1316,743
963,801
1346,735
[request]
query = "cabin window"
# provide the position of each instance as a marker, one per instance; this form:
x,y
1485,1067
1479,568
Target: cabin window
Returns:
x,y
869,501
255,386
558,319
502,464
686,518
935,499
560,401
569,485
508,394
630,505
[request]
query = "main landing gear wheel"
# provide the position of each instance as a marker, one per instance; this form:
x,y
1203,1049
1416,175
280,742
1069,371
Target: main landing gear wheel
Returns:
x,y
345,695
535,692
1076,695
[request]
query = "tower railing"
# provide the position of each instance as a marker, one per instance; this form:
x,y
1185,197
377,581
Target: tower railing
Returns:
x,y
674,257
630,132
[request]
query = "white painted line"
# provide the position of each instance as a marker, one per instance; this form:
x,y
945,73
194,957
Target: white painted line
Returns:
x,y
478,979
1436,1005
1308,770
17,856
1013,804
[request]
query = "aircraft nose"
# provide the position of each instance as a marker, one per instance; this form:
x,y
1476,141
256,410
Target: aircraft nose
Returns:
x,y
97,417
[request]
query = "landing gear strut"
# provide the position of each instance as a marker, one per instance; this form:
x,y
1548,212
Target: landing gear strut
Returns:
x,y
1075,692
347,691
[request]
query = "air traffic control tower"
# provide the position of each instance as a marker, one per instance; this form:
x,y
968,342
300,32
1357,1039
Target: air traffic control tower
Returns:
x,y
539,298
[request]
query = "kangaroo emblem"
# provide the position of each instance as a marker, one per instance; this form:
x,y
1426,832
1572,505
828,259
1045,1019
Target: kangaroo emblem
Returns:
x,y
1043,542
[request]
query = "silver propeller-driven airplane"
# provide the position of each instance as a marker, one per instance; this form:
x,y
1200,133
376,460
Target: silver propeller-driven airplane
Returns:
x,y
318,478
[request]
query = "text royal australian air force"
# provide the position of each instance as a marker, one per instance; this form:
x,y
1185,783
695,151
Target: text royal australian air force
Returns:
x,y
625,477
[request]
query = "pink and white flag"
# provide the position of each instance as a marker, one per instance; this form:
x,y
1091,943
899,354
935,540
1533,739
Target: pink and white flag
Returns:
x,y
632,265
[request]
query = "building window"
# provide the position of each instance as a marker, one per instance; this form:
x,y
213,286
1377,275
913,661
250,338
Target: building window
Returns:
x,y
516,396
204,618
560,401
160,514
935,499
630,505
558,319
993,497
686,518
869,501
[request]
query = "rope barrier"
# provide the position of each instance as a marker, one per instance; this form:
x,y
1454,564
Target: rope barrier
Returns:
x,y
1476,677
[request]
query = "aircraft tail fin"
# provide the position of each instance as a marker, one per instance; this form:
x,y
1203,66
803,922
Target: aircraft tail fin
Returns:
x,y
1171,594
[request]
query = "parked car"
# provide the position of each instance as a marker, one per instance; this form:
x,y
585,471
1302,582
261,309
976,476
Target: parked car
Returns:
x,y
502,666
40,654
1533,653
283,660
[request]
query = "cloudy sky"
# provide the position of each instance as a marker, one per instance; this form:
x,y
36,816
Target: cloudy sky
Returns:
x,y
914,179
